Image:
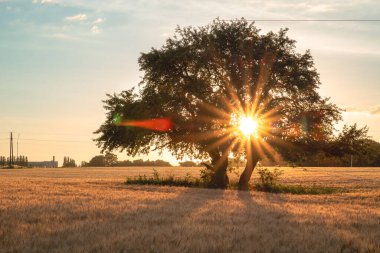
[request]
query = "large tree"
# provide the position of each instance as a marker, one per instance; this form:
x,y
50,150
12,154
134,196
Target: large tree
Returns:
x,y
204,81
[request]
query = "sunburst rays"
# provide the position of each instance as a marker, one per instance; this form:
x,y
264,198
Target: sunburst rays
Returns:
x,y
246,121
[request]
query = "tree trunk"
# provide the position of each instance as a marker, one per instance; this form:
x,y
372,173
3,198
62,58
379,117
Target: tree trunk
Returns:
x,y
220,178
252,160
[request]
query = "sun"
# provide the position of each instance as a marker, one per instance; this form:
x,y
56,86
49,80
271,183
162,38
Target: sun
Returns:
x,y
248,126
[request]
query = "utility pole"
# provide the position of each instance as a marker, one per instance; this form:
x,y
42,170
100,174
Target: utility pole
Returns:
x,y
11,151
18,136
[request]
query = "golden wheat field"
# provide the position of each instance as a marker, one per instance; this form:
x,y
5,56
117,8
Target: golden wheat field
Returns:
x,y
92,210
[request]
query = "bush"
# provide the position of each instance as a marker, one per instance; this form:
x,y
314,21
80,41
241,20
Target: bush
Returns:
x,y
169,180
269,178
207,174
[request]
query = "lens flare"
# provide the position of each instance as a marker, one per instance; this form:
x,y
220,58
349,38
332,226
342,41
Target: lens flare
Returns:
x,y
160,125
117,118
248,126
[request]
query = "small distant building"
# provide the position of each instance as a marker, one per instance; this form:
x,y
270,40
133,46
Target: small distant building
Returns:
x,y
45,164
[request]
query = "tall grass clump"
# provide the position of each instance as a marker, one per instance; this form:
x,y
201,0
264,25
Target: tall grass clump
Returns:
x,y
269,182
170,180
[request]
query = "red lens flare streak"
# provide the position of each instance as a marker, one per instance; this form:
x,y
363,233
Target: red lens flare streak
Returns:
x,y
160,124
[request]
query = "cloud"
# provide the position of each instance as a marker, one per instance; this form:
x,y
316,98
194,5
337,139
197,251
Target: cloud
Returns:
x,y
99,21
95,29
78,17
371,110
44,1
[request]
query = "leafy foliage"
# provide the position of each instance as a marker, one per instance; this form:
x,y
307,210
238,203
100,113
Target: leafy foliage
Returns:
x,y
269,178
197,69
207,173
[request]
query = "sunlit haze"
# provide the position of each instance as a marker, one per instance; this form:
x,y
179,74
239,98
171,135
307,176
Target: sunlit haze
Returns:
x,y
60,58
248,126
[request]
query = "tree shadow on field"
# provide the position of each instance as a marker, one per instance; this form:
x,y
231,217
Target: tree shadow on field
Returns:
x,y
160,225
157,224
279,224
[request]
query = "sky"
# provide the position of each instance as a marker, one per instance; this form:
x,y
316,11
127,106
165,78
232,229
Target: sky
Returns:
x,y
59,58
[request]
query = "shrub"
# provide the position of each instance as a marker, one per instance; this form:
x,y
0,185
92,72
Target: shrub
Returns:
x,y
207,173
269,178
156,176
170,180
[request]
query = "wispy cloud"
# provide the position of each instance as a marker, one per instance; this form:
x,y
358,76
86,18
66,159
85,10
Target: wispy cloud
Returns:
x,y
78,17
44,1
95,29
372,110
99,21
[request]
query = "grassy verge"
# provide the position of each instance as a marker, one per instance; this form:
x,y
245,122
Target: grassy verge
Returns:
x,y
189,181
297,189
167,181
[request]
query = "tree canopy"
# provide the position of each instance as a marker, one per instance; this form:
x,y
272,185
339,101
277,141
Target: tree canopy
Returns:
x,y
203,79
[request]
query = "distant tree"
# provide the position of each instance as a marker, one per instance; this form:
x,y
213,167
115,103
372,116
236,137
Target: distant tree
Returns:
x,y
97,161
203,78
188,164
68,162
2,161
351,141
110,159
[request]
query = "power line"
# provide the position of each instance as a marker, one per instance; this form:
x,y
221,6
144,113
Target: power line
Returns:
x,y
45,140
43,133
306,20
53,140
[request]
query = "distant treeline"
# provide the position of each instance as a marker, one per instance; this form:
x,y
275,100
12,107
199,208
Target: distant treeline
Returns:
x,y
110,160
68,162
17,160
368,156
140,162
